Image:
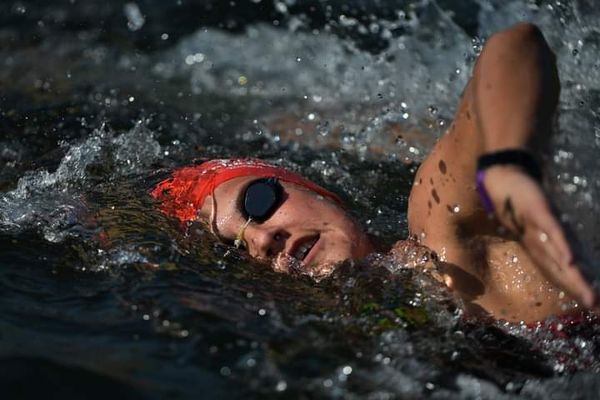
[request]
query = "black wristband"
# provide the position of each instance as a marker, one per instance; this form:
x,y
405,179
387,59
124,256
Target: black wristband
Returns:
x,y
520,158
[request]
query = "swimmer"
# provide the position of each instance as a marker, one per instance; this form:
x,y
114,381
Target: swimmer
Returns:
x,y
477,200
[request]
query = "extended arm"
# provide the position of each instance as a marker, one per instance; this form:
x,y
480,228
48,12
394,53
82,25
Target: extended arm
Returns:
x,y
507,105
515,90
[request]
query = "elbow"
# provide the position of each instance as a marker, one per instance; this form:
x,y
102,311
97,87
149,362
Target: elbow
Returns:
x,y
521,47
524,32
521,39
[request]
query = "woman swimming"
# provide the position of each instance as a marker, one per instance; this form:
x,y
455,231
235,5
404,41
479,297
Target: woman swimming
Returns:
x,y
476,201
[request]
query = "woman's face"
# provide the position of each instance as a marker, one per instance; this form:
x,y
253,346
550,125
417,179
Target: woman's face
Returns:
x,y
307,232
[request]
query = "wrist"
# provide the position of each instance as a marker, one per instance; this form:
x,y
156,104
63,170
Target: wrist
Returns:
x,y
501,162
511,158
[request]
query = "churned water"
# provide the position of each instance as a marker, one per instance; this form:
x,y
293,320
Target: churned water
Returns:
x,y
104,296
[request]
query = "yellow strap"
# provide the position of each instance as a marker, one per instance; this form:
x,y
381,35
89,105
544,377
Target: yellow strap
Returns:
x,y
239,239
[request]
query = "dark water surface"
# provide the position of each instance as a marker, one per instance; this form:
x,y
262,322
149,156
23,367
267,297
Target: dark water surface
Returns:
x,y
102,296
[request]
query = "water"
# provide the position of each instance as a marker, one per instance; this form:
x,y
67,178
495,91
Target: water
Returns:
x,y
101,99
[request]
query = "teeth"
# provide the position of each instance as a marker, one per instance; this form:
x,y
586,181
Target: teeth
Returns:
x,y
304,249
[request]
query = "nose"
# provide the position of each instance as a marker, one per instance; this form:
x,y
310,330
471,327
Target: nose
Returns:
x,y
264,242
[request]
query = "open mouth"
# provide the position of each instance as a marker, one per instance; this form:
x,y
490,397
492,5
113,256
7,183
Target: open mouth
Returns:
x,y
303,248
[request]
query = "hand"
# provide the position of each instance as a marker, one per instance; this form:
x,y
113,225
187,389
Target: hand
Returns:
x,y
521,207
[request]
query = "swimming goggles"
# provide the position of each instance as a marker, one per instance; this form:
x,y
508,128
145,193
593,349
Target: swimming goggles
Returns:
x,y
260,200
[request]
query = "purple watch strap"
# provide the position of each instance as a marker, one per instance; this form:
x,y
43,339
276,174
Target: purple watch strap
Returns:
x,y
486,201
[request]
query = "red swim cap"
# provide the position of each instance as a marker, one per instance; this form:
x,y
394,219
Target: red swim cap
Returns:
x,y
184,193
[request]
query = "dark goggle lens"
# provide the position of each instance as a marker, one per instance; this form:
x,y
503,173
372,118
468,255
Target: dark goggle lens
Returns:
x,y
262,198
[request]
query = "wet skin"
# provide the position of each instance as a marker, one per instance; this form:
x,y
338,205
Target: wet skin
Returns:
x,y
302,218
516,265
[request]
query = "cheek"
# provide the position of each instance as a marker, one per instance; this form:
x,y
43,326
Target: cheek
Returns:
x,y
305,211
338,241
336,248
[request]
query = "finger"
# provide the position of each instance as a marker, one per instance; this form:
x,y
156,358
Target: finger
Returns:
x,y
568,278
550,226
538,237
547,245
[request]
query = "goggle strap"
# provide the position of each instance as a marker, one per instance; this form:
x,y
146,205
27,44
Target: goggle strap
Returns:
x,y
240,236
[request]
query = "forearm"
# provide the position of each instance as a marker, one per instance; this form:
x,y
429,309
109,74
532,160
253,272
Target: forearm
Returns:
x,y
516,89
